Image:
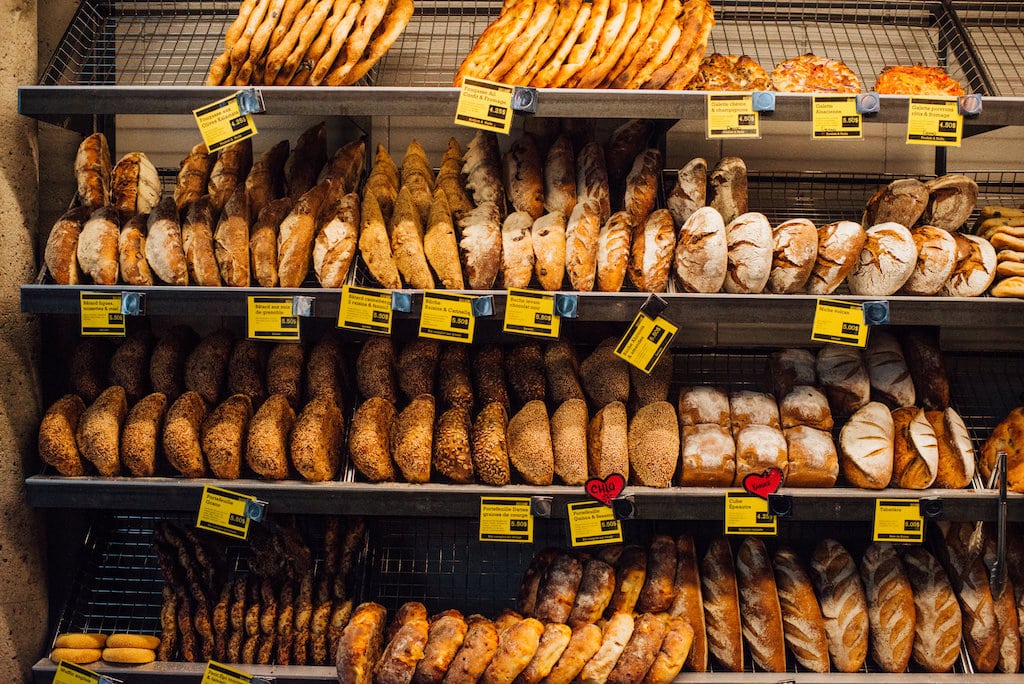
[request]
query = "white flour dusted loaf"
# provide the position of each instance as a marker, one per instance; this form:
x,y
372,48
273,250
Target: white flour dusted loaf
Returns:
x,y
690,191
936,259
795,247
839,248
891,382
548,235
885,263
651,252
802,620
613,251
720,596
749,238
702,252
891,612
480,246
866,447
939,623
759,606
843,604
581,245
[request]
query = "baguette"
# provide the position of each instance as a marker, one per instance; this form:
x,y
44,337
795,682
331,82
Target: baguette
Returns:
x,y
265,180
720,598
843,603
687,602
760,609
335,244
297,232
407,242
523,174
891,611
938,624
441,245
802,619
374,243
231,240
263,240
197,241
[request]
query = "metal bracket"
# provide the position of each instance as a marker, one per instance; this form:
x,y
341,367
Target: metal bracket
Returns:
x,y
401,301
624,507
255,510
930,507
654,306
762,101
970,105
524,100
876,313
567,305
302,305
483,306
868,103
780,505
998,572
133,303
250,101
540,506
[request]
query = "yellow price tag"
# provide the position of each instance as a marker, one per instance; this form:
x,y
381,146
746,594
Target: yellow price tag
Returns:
x,y
934,121
101,314
529,312
365,310
732,116
222,123
836,116
898,520
216,673
225,512
645,341
506,519
69,673
485,105
447,317
839,322
747,513
592,523
272,318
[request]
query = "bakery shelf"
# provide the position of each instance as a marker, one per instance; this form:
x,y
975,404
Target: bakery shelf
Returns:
x,y
994,30
137,57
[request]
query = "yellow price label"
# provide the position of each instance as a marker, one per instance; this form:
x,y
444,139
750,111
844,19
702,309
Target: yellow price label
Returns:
x,y
222,123
934,121
898,520
365,310
506,519
447,317
732,116
645,341
69,673
225,512
592,523
217,673
747,513
836,116
529,312
101,314
485,105
839,322
272,318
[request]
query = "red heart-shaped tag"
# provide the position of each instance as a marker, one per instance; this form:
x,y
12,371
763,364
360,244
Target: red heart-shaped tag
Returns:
x,y
763,484
607,489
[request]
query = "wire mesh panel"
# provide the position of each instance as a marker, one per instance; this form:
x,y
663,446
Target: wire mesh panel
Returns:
x,y
995,29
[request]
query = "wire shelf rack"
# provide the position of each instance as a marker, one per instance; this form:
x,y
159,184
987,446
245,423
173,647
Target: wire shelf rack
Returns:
x,y
995,30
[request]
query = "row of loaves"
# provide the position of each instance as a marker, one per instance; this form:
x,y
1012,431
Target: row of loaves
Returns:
x,y
1004,227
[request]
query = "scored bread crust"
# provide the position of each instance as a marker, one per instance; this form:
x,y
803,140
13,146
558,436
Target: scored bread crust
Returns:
x,y
891,611
557,592
702,252
938,624
802,621
594,593
720,598
760,612
866,447
843,604
688,602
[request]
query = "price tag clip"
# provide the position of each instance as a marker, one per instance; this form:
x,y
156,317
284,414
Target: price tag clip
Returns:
x,y
401,301
255,510
762,101
483,306
654,306
868,103
567,305
303,306
540,506
524,100
930,508
133,303
971,105
876,313
250,101
780,505
624,507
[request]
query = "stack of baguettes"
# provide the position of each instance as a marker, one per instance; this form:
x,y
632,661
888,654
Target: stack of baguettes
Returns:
x,y
230,220
214,405
307,42
595,44
1003,227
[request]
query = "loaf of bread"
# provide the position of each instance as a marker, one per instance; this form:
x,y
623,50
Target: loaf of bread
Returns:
x,y
335,245
927,369
247,370
752,408
562,369
583,645
406,230
839,247
403,653
96,247
417,367
134,185
630,576
1006,603
758,448
569,425
640,651
374,243
789,368
317,439
970,582
915,449
658,591
688,603
703,405
720,597
885,263
375,369
936,259
297,232
702,252
305,161
92,171
902,201
490,445
617,632
548,236
550,648
594,593
608,442
198,242
938,622
558,588
482,169
802,619
642,183
361,644
265,180
843,604
805,405
224,435
529,444
452,455
956,452
517,254
1003,438
592,178
708,457
951,199
488,366
369,439
613,244
605,376
476,652
182,436
560,177
229,171
207,364
99,430
131,253
284,371
749,239
61,252
844,377
453,377
89,361
690,191
57,447
167,362
269,433
891,612
891,382
524,176
728,182
446,635
581,245
649,388
140,437
480,246
975,267
866,447
524,367
651,251
812,457
759,606
653,444
516,647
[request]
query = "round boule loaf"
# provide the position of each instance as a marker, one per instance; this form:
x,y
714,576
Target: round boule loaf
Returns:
x,y
885,263
975,270
795,247
839,246
915,449
936,258
902,201
702,253
956,452
951,200
749,237
866,447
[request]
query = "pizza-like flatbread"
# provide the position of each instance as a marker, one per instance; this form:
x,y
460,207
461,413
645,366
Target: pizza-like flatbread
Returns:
x,y
917,80
812,74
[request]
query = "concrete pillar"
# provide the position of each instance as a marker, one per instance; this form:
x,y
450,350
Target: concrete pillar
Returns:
x,y
23,598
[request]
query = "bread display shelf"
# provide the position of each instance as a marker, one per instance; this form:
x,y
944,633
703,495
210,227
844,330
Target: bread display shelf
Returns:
x,y
691,503
151,58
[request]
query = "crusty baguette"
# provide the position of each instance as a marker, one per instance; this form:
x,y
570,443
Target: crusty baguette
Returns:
x,y
760,609
197,240
193,174
263,240
231,240
335,244
265,181
407,242
374,244
164,249
131,253
440,243
92,171
296,235
802,620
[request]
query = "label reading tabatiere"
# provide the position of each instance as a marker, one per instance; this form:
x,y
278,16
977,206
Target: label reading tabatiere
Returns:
x,y
69,673
272,318
732,116
224,512
839,322
747,513
222,123
592,523
898,520
447,317
101,314
836,116
529,312
934,121
645,341
218,673
365,310
506,519
485,105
